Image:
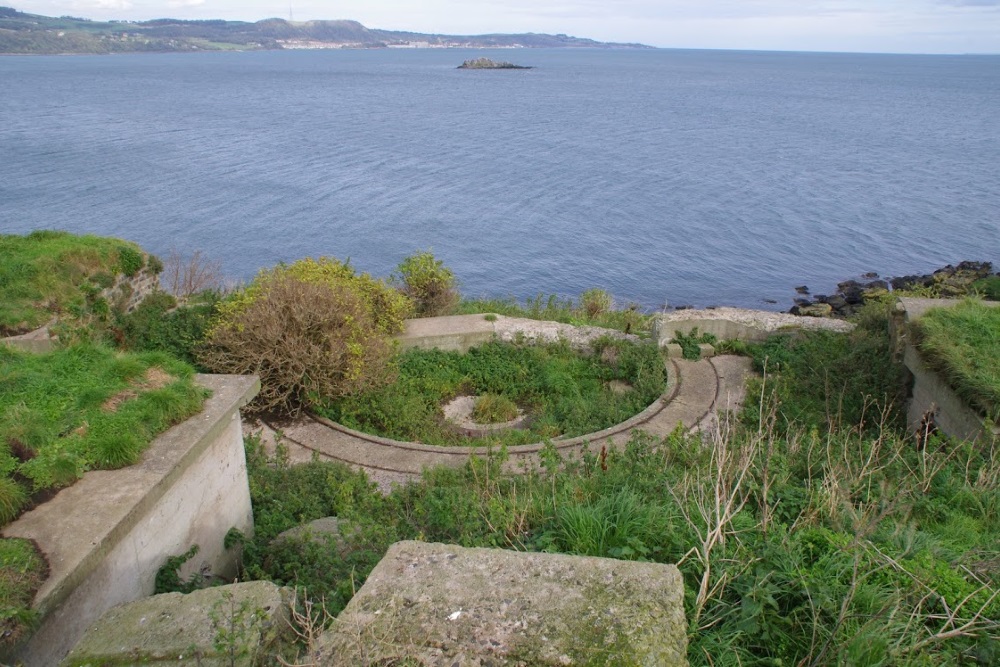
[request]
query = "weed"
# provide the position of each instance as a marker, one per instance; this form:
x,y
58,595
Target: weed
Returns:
x,y
168,577
494,409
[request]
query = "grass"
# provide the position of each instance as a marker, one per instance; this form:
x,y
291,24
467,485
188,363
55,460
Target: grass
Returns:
x,y
594,308
22,572
563,392
81,408
963,345
48,273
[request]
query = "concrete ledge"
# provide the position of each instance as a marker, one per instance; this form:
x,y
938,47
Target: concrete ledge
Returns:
x,y
738,324
107,535
458,333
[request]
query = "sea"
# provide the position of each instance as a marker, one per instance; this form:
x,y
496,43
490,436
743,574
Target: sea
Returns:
x,y
667,177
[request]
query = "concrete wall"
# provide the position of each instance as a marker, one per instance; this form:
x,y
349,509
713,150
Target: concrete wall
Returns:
x,y
106,536
127,293
738,324
929,392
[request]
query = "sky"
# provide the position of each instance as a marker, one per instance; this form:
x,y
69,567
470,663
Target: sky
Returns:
x,y
894,26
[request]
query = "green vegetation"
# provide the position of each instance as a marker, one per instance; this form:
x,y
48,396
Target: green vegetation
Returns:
x,y
963,345
22,571
428,283
563,392
494,409
158,324
594,309
313,331
81,408
690,343
813,532
833,382
48,274
989,288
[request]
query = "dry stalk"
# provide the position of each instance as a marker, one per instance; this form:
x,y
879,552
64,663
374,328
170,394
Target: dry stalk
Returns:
x,y
183,276
731,470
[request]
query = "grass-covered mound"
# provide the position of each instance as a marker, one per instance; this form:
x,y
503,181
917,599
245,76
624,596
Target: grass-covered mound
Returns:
x,y
82,408
963,345
49,273
563,392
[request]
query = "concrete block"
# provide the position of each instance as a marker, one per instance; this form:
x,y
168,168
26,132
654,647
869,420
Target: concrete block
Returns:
x,y
706,350
437,604
239,625
674,351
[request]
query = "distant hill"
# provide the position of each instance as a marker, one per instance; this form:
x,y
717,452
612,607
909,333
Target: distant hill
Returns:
x,y
30,33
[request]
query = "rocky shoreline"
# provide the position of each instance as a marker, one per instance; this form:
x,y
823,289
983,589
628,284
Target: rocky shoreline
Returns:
x,y
947,282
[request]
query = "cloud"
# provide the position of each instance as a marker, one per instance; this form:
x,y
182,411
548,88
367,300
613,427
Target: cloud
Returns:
x,y
101,5
971,3
174,4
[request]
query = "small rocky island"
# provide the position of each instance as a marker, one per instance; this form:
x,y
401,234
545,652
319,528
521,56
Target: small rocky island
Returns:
x,y
486,63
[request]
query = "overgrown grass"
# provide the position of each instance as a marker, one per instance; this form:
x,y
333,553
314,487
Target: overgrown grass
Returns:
x,y
563,392
22,572
594,308
830,381
81,408
812,532
963,345
49,273
802,549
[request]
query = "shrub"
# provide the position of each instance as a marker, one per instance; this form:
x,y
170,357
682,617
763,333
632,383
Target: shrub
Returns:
x,y
311,330
158,325
428,282
493,409
595,302
130,260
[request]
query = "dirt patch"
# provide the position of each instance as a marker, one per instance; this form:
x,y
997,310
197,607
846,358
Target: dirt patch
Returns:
x,y
154,378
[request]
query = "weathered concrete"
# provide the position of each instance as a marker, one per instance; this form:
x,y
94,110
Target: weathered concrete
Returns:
x,y
107,535
696,390
459,333
446,605
237,625
39,340
738,324
930,394
455,333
